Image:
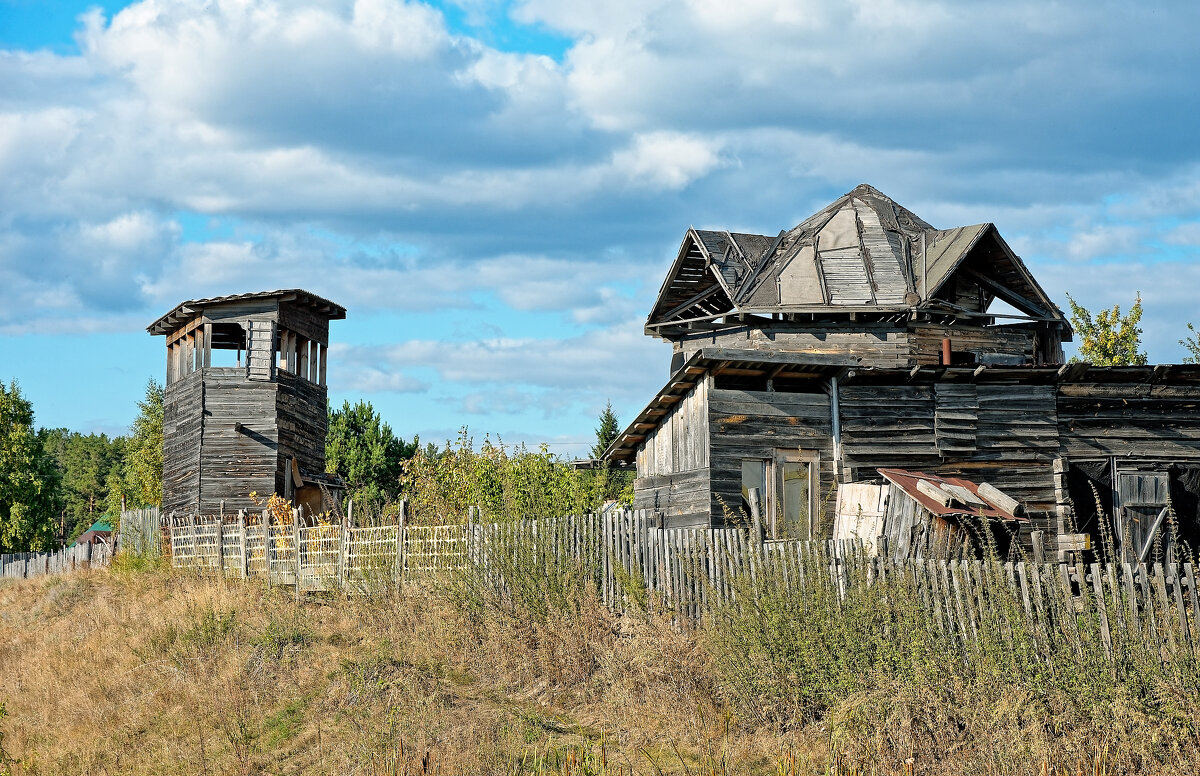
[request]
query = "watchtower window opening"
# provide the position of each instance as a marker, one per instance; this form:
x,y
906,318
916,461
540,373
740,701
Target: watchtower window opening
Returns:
x,y
228,345
301,356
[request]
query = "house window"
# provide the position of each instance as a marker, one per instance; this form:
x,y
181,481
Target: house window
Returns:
x,y
786,483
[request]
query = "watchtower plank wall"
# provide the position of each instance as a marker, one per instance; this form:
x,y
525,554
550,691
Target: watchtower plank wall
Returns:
x,y
245,397
866,339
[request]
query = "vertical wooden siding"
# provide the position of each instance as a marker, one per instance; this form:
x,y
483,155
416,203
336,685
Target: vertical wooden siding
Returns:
x,y
672,463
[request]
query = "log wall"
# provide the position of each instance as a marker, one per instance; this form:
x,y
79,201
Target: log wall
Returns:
x,y
757,424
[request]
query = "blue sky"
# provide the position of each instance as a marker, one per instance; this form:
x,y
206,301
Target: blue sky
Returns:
x,y
495,189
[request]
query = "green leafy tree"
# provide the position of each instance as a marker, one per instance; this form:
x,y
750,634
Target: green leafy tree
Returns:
x,y
505,483
361,448
607,432
29,484
1191,344
1108,338
140,475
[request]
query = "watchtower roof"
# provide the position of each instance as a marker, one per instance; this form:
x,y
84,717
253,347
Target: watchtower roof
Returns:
x,y
185,311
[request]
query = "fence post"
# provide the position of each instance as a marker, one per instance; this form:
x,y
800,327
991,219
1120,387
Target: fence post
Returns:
x,y
756,518
1039,548
221,542
296,548
343,548
268,543
881,547
401,519
242,543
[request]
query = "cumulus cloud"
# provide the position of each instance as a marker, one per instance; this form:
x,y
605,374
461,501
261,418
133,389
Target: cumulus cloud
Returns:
x,y
619,359
375,153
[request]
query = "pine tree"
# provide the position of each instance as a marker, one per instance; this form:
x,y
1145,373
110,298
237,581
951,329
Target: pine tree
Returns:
x,y
361,448
1108,338
607,432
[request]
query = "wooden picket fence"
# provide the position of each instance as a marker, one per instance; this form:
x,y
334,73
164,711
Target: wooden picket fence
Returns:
x,y
689,572
27,565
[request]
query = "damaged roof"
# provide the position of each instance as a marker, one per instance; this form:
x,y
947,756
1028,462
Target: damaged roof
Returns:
x,y
861,253
962,497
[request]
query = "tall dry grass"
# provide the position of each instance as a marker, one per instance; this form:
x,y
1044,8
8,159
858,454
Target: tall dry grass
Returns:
x,y
154,671
522,670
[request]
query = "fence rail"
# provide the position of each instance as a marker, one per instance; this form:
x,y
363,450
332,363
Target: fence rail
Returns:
x,y
691,571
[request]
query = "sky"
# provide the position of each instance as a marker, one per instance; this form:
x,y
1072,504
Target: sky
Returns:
x,y
495,190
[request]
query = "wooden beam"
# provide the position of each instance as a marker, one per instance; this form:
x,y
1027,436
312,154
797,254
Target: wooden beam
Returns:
x,y
733,370
1006,293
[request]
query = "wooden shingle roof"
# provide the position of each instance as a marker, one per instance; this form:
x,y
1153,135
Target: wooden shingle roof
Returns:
x,y
185,311
861,253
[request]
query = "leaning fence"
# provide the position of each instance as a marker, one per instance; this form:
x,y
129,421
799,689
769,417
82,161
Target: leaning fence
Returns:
x,y
27,565
691,572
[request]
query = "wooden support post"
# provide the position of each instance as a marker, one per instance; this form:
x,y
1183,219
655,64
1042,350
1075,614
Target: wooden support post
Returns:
x,y
881,546
1039,547
756,517
321,368
302,357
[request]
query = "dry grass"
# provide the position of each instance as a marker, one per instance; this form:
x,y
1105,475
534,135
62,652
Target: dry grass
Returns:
x,y
166,673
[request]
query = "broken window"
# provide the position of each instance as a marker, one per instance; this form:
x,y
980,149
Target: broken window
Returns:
x,y
787,491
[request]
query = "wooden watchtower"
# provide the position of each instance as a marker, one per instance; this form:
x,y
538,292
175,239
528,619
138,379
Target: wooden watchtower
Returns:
x,y
245,407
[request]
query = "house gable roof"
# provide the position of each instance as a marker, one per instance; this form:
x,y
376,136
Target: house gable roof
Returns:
x,y
861,253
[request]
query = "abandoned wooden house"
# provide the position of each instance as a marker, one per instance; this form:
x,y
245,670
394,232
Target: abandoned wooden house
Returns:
x,y
864,339
245,405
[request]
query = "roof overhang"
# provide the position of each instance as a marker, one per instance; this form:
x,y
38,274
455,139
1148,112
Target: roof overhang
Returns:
x,y
819,369
185,311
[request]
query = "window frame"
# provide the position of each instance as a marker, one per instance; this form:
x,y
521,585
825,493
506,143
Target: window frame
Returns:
x,y
774,521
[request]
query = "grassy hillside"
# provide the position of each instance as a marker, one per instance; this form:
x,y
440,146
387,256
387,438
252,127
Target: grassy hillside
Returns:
x,y
157,672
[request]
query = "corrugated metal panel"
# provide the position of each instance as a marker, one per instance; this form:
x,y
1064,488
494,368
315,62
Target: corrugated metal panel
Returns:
x,y
845,277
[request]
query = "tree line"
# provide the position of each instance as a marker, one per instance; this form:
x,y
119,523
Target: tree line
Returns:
x,y
56,483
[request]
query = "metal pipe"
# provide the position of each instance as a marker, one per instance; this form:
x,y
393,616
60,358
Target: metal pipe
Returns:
x,y
946,352
834,414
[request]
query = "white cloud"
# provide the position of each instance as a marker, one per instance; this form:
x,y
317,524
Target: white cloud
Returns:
x,y
365,150
667,160
620,360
